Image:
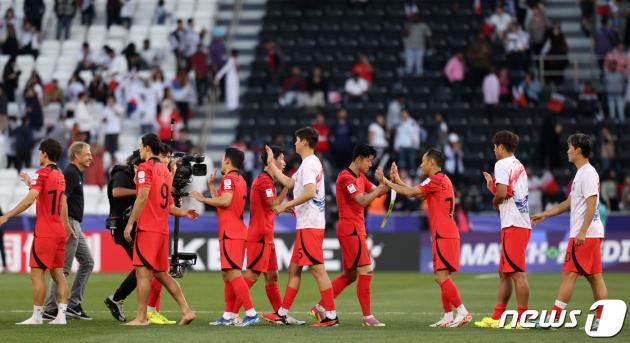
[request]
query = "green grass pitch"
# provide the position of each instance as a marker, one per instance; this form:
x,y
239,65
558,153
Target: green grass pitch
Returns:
x,y
407,302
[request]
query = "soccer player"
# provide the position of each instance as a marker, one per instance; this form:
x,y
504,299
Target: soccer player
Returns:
x,y
583,256
354,193
151,209
52,230
309,204
437,189
230,203
510,192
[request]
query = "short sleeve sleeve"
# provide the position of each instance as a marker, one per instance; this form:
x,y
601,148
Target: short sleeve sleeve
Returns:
x,y
38,181
227,184
267,189
590,184
144,175
120,180
428,186
349,186
310,173
501,173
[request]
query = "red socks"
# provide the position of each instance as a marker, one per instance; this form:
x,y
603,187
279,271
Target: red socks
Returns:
x,y
558,310
156,294
273,293
339,284
599,312
449,290
498,311
242,292
446,304
230,297
328,299
520,311
289,297
238,303
363,293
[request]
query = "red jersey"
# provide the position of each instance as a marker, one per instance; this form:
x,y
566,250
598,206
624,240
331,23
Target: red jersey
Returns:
x,y
261,214
51,185
351,214
438,190
154,175
231,223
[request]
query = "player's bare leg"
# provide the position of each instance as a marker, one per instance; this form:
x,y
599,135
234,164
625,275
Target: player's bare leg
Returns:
x,y
176,292
521,287
598,286
503,297
143,289
38,283
62,296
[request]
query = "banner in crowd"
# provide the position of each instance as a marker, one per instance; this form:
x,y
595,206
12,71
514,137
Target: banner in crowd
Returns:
x,y
389,251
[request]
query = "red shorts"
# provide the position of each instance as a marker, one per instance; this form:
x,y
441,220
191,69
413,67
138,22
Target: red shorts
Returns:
x,y
354,252
513,249
445,254
151,251
48,252
308,248
261,257
232,253
585,259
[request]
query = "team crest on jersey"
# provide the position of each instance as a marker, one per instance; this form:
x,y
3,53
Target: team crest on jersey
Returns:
x,y
425,182
269,192
34,180
227,184
141,176
351,188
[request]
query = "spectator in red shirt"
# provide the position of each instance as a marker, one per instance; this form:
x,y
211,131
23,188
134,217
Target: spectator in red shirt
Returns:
x,y
364,69
199,62
323,129
293,89
274,61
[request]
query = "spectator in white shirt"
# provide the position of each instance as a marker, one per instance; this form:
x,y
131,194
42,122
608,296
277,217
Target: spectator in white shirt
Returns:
x,y
517,48
83,118
151,57
535,185
393,113
407,142
117,69
377,136
87,60
454,157
29,40
126,13
75,88
491,88
112,114
500,22
148,106
191,39
356,88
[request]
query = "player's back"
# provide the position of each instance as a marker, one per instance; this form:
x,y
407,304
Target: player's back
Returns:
x,y
261,215
514,210
231,223
51,184
440,198
154,175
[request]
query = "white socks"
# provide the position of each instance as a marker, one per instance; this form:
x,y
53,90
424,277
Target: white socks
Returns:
x,y
38,312
331,314
61,315
448,316
229,315
560,304
368,317
320,308
251,312
151,309
283,311
461,310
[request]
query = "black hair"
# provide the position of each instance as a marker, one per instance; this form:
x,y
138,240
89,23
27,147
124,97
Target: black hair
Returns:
x,y
309,134
437,156
153,142
582,141
165,149
508,139
277,151
363,150
52,148
236,157
134,159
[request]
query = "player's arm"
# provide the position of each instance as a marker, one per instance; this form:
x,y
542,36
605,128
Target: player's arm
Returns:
x,y
22,206
138,205
286,181
591,205
308,194
556,210
178,212
278,199
122,192
65,219
489,180
366,199
211,187
218,201
404,189
500,195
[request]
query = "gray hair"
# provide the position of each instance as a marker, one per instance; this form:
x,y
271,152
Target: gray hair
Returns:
x,y
75,149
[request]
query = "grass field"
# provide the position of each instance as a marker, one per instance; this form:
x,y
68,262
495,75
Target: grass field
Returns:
x,y
407,302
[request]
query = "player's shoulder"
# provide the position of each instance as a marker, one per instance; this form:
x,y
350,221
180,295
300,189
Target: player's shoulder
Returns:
x,y
346,175
312,162
589,172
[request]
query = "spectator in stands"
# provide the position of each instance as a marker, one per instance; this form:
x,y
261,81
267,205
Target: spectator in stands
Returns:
x,y
134,61
377,137
183,94
454,158
587,7
151,57
394,109
177,40
323,129
274,62
183,142
75,87
84,118
480,57
191,38
59,132
491,88
10,141
531,87
87,60
606,39
33,109
550,143
442,130
588,102
64,9
416,37
411,10
615,83
98,90
10,77
317,88
341,140
118,66
112,115
232,81
4,111
34,12
126,13
29,40
517,47
53,93
620,59
535,186
11,46
217,52
607,148
626,193
24,142
558,48
500,21
537,28
363,68
199,63
609,192
356,89
293,89
156,81
35,81
407,142
87,12
167,113
161,13
454,72
113,12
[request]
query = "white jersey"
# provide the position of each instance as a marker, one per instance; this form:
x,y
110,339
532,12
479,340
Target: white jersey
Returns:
x,y
585,185
310,215
514,211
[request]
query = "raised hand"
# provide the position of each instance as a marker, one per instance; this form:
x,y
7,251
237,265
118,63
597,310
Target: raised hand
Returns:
x,y
196,195
488,178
